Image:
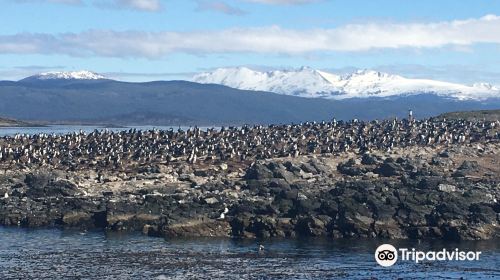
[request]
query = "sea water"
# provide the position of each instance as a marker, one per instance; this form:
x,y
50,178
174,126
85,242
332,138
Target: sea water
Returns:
x,y
59,254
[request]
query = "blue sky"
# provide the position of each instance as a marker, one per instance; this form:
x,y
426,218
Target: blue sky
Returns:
x,y
141,40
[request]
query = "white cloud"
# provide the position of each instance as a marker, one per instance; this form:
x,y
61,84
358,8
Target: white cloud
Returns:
x,y
140,5
69,2
156,5
273,40
143,5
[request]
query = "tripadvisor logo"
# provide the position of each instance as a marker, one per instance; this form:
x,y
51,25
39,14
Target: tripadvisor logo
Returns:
x,y
387,255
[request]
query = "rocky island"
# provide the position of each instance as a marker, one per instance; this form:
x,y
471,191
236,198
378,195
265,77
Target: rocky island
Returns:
x,y
404,179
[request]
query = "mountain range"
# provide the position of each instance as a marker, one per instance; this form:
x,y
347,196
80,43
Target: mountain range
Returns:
x,y
90,98
72,75
307,82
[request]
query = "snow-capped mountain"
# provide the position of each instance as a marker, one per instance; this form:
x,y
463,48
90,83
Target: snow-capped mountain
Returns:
x,y
307,82
73,75
303,82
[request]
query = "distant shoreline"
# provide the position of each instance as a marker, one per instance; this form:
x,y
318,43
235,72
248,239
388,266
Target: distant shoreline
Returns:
x,y
11,123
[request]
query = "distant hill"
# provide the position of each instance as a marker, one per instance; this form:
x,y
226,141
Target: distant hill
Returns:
x,y
98,101
14,123
490,115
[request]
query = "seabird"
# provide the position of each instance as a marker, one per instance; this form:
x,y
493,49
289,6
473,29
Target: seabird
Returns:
x,y
223,214
261,248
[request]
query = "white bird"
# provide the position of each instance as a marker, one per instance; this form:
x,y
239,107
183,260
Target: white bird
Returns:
x,y
261,249
223,214
6,195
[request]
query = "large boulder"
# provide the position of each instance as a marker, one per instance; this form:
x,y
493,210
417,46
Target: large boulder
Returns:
x,y
43,185
467,168
259,171
388,169
350,168
369,159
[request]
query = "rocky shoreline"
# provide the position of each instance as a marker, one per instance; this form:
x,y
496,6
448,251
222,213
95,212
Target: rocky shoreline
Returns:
x,y
446,192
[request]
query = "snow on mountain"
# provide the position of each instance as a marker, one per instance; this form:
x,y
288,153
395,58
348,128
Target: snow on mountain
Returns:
x,y
307,82
74,75
303,82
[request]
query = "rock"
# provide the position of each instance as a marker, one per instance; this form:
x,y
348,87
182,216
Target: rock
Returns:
x,y
61,187
350,170
482,212
198,181
258,172
285,174
151,230
301,196
312,226
322,168
201,173
467,168
198,228
469,165
37,181
283,205
389,169
438,161
44,185
447,188
291,167
368,159
78,220
289,194
306,167
430,182
444,154
149,169
211,200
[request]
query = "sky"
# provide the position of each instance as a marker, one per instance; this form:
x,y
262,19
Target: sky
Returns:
x,y
143,40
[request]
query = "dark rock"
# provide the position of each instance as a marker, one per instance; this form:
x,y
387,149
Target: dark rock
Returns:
x,y
289,194
444,154
37,181
62,187
201,173
368,159
285,174
322,169
466,168
258,172
306,167
482,212
291,167
350,170
312,226
469,165
430,182
389,169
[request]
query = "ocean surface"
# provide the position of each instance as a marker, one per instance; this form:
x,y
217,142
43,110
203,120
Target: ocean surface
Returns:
x,y
58,254
65,129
